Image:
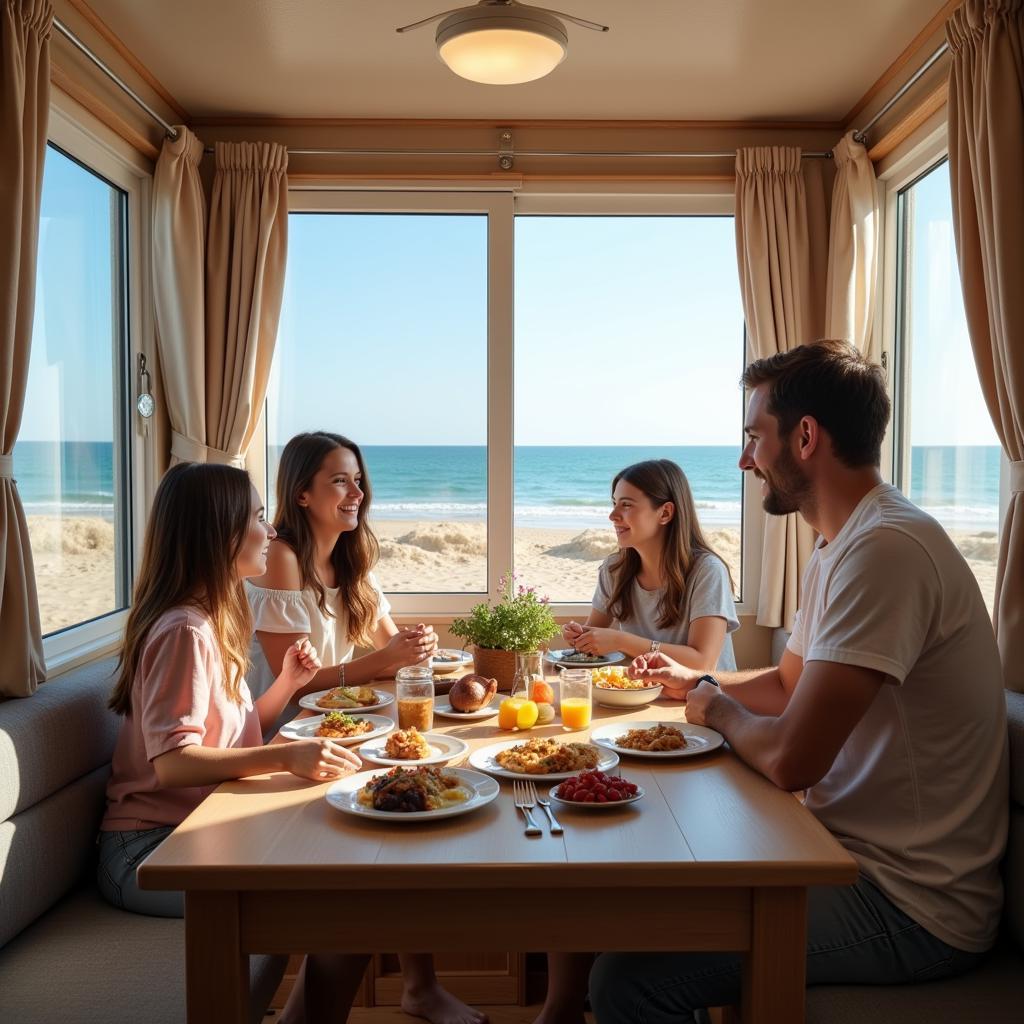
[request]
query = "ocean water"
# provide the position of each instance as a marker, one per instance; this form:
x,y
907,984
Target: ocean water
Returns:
x,y
555,487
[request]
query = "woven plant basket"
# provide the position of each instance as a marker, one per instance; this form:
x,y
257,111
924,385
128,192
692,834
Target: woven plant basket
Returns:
x,y
495,664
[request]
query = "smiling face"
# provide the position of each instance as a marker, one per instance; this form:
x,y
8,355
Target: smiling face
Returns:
x,y
785,487
637,521
252,556
335,493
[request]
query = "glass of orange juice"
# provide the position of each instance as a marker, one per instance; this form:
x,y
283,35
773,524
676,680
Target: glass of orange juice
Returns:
x,y
576,698
414,690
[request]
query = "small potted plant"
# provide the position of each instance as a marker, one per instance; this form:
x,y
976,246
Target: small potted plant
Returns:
x,y
520,622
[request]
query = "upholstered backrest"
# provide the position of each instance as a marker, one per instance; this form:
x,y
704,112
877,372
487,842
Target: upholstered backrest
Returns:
x,y
55,750
1013,872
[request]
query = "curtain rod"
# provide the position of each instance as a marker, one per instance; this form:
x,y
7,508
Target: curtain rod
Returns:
x,y
504,153
172,132
729,154
862,134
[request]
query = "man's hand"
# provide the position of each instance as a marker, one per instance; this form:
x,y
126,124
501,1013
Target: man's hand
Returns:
x,y
677,679
697,701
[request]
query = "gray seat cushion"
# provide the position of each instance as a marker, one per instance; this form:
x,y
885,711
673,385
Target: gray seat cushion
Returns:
x,y
60,733
993,994
87,963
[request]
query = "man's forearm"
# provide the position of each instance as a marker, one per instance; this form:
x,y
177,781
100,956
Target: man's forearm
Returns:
x,y
759,690
756,738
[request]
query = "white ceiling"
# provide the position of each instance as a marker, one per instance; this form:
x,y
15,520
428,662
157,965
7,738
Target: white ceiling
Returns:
x,y
663,59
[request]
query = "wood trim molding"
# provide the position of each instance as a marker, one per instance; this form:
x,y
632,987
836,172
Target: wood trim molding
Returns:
x,y
104,30
940,18
931,104
222,121
92,103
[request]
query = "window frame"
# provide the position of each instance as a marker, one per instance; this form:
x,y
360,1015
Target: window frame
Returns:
x,y
502,205
96,637
920,156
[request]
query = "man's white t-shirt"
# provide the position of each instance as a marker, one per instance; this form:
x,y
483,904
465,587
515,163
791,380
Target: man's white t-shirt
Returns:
x,y
919,792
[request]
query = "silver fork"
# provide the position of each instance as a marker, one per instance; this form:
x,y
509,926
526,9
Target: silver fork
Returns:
x,y
556,829
525,801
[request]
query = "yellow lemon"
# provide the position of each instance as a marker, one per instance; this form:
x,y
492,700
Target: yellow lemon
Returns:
x,y
526,717
508,712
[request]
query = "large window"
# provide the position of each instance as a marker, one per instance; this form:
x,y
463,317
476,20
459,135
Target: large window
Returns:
x,y
384,340
69,458
628,346
498,366
947,455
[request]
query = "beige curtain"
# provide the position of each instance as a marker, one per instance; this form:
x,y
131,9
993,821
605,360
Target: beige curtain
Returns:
x,y
217,329
24,112
853,249
179,245
782,243
986,161
245,267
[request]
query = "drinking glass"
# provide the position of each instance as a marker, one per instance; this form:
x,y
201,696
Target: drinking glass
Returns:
x,y
414,693
576,698
529,670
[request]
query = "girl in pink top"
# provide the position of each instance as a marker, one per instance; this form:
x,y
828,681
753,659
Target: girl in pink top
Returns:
x,y
189,720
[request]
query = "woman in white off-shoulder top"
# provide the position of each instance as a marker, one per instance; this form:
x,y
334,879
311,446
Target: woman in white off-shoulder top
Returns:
x,y
319,584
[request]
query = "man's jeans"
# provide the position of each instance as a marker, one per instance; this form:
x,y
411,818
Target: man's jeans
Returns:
x,y
854,936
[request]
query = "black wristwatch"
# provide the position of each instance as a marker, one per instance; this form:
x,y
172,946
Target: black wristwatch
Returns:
x,y
706,678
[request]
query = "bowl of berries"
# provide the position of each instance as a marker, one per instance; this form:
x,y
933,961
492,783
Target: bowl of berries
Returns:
x,y
596,789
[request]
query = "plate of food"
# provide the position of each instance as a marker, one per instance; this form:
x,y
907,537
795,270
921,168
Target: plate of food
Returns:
x,y
657,739
410,746
569,657
443,707
346,698
596,791
338,726
614,689
541,757
447,659
412,794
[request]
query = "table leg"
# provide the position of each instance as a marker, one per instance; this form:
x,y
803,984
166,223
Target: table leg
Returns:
x,y
216,969
774,971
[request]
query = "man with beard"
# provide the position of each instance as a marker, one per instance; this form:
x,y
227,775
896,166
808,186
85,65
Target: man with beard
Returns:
x,y
887,708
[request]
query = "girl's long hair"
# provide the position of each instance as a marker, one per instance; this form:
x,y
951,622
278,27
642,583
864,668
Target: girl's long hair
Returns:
x,y
199,522
355,553
661,481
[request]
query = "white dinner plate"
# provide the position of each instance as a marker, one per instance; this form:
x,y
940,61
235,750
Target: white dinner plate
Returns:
x,y
699,739
443,707
465,659
484,759
595,806
305,728
343,795
310,702
560,657
442,748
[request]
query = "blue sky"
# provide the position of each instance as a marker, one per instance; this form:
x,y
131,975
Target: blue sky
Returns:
x,y
628,329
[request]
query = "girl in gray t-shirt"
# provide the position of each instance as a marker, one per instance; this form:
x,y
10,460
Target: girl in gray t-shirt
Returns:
x,y
665,587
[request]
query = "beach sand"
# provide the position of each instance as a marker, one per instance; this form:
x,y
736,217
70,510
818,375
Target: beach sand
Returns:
x,y
75,561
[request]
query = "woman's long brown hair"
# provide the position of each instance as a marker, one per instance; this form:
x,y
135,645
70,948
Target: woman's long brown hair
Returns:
x,y
199,522
661,481
355,553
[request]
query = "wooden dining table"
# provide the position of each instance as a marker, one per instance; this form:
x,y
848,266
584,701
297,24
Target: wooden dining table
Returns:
x,y
712,858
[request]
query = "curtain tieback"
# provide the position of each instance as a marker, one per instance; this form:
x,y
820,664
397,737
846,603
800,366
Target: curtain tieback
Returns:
x,y
187,450
1017,477
6,467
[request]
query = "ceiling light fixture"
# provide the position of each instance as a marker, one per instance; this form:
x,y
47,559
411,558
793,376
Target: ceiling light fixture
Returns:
x,y
502,42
